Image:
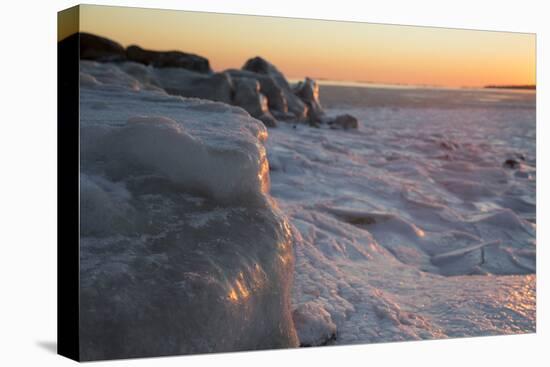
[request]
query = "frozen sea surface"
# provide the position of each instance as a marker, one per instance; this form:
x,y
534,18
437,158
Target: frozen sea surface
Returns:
x,y
412,226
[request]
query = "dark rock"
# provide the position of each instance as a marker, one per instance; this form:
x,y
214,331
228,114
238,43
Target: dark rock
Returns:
x,y
276,99
262,66
247,95
294,104
168,59
98,48
308,92
345,121
511,163
268,120
284,116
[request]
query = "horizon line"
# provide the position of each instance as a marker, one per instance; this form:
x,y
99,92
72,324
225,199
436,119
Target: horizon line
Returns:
x,y
326,80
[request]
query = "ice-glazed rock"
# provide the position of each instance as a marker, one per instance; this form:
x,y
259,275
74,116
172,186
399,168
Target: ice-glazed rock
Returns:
x,y
186,83
168,59
314,324
182,250
261,66
98,48
308,91
247,95
276,99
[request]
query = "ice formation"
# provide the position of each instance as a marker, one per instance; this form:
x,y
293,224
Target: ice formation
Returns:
x,y
411,227
182,249
418,224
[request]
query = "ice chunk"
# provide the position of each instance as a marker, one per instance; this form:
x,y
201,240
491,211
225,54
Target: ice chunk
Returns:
x,y
314,325
182,248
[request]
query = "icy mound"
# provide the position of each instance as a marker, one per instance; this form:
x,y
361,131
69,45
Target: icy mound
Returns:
x,y
182,250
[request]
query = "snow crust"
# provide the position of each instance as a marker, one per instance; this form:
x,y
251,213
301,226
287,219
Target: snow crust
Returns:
x,y
411,227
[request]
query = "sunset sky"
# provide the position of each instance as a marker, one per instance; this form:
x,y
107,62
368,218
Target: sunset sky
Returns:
x,y
348,51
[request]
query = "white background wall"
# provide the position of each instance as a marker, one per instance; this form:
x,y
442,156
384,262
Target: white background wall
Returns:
x,y
28,181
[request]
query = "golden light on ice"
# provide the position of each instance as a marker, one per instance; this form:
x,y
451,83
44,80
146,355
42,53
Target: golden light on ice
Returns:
x,y
233,296
263,174
243,291
521,300
244,285
239,291
285,253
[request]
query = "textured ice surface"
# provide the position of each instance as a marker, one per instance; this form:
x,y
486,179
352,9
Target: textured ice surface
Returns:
x,y
182,249
411,226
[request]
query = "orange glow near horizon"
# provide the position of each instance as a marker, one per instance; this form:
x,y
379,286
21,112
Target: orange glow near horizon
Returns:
x,y
347,51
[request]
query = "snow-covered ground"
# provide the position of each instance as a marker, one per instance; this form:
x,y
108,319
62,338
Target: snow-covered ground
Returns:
x,y
412,226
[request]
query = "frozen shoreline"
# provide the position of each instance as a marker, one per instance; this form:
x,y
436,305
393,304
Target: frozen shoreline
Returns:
x,y
411,227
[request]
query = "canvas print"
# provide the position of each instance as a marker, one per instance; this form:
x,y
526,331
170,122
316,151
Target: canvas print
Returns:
x,y
248,182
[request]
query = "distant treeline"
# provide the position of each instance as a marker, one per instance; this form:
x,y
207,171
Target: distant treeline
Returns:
x,y
530,87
